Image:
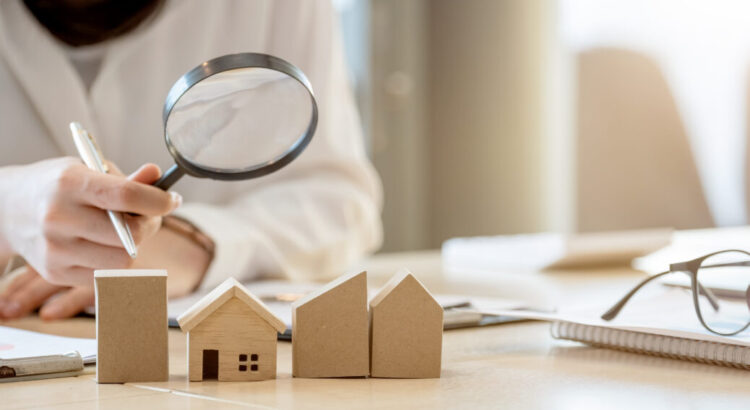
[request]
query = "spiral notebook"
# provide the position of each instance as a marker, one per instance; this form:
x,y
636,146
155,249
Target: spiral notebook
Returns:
x,y
662,325
683,348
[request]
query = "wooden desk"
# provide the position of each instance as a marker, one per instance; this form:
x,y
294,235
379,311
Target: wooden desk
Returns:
x,y
507,366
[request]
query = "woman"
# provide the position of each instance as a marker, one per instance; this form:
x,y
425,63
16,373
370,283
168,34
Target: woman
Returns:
x,y
109,65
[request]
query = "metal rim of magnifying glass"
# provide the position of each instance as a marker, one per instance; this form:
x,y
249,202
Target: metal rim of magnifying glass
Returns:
x,y
232,62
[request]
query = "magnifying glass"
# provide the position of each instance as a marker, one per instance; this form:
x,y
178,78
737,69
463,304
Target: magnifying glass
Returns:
x,y
237,117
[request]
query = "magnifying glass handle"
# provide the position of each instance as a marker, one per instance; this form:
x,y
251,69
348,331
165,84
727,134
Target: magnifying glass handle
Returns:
x,y
173,174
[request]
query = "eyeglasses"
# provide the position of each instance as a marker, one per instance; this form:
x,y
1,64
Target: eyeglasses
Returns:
x,y
721,316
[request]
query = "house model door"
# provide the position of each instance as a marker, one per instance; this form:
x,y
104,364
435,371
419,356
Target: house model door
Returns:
x,y
210,364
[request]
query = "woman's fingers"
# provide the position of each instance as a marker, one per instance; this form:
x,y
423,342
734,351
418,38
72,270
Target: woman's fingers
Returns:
x,y
84,222
29,297
87,254
115,193
73,276
68,303
143,227
29,291
112,168
17,283
72,261
94,225
146,174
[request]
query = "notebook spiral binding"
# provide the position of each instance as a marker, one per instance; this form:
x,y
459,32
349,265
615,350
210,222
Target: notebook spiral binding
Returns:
x,y
655,345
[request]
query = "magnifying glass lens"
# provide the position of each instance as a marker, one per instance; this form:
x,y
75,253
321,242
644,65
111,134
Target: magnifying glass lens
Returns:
x,y
239,120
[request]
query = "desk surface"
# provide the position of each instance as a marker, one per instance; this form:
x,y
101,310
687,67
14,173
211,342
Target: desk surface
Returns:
x,y
507,366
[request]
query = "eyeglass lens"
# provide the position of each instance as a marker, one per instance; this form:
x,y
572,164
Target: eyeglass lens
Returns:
x,y
725,270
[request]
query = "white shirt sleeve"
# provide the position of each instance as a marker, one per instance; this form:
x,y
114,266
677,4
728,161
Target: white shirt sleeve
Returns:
x,y
312,219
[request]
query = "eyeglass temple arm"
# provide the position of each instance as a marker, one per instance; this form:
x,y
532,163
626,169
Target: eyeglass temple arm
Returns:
x,y
615,310
709,295
723,265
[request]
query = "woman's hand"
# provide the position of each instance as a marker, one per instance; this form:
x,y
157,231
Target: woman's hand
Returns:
x,y
28,291
184,260
53,214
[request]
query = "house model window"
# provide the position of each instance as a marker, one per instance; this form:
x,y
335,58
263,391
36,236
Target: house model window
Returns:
x,y
253,362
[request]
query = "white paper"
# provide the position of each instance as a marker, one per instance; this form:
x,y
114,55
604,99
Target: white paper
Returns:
x,y
691,244
16,343
532,252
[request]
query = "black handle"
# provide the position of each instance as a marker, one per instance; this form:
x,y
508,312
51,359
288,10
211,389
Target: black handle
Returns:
x,y
173,174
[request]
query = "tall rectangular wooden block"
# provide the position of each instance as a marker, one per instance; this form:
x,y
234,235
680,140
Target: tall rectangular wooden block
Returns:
x,y
131,325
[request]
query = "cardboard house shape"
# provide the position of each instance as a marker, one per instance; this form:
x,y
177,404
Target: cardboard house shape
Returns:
x,y
406,330
231,336
330,330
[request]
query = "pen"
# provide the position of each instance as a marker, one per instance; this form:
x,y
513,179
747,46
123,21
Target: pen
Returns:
x,y
28,368
93,158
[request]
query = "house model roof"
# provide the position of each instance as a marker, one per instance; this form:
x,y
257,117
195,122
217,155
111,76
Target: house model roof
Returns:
x,y
221,294
402,277
328,288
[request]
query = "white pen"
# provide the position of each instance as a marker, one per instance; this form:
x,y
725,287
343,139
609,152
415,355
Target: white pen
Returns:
x,y
92,157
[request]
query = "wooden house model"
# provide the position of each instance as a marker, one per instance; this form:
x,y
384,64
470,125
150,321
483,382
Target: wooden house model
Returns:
x,y
406,330
330,330
231,336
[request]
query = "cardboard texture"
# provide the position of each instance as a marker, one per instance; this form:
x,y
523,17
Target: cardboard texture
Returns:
x,y
231,336
406,330
131,326
330,330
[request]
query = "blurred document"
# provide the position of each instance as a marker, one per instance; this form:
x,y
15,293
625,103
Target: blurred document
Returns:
x,y
552,250
17,343
691,244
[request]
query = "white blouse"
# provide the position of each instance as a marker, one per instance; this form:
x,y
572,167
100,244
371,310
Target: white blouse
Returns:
x,y
310,220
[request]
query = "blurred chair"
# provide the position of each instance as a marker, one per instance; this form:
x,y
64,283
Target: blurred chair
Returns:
x,y
634,166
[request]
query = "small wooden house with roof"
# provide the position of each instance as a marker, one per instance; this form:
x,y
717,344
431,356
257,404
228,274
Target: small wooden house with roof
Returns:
x,y
406,330
231,336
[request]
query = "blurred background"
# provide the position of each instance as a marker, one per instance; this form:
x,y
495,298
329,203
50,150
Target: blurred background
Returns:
x,y
488,117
